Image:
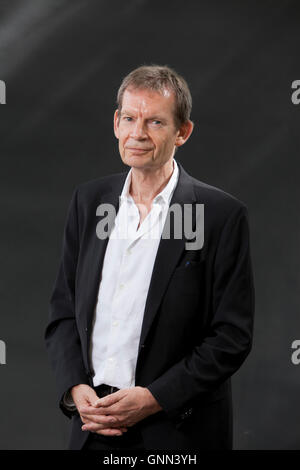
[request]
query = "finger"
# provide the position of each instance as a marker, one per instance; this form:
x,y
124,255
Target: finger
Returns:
x,y
92,396
84,420
100,419
109,399
101,411
94,427
92,410
109,432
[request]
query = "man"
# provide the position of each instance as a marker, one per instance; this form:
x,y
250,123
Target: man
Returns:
x,y
145,332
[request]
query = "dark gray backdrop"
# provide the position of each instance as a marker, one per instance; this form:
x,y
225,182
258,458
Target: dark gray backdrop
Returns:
x,y
62,62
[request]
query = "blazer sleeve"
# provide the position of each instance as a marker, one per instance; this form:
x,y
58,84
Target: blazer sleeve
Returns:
x,y
61,335
229,337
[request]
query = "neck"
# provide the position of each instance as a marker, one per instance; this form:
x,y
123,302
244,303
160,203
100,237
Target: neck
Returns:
x,y
146,183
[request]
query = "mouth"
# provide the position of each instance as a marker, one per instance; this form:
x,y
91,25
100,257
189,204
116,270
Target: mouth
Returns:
x,y
138,150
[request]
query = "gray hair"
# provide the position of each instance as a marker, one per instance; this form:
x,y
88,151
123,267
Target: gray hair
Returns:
x,y
160,78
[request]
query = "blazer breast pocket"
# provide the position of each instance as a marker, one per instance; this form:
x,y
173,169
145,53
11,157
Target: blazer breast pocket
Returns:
x,y
188,278
190,264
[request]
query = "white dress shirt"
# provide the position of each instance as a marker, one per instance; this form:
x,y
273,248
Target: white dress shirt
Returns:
x,y
124,285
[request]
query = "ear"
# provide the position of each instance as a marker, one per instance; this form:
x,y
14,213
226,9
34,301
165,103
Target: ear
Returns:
x,y
184,133
116,123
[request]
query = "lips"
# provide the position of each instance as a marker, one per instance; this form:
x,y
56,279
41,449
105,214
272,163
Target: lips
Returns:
x,y
138,149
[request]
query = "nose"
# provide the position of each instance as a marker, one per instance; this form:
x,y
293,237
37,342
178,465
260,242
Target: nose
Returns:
x,y
138,131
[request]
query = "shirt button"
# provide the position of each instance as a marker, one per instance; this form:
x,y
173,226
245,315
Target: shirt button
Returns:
x,y
129,251
115,323
121,286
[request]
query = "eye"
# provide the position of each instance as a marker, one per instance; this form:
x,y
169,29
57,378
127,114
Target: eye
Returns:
x,y
156,122
127,118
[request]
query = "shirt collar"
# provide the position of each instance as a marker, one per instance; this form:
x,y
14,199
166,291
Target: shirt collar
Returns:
x,y
164,196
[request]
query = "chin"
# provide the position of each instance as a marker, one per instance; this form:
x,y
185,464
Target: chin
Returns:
x,y
137,161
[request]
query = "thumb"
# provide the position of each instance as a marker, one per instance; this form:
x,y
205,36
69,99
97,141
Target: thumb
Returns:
x,y
91,396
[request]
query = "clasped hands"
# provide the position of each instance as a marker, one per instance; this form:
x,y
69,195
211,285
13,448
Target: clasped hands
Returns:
x,y
113,414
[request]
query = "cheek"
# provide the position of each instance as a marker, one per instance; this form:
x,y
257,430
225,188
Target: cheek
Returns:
x,y
160,142
166,142
122,137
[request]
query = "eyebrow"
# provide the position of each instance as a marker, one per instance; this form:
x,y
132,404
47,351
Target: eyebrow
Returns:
x,y
157,117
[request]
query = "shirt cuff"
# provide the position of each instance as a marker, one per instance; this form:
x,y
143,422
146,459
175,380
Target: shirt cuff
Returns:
x,y
68,401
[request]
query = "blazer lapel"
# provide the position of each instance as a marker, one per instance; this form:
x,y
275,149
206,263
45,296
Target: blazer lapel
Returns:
x,y
167,257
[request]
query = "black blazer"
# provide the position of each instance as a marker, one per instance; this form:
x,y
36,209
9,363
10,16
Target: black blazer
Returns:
x,y
198,319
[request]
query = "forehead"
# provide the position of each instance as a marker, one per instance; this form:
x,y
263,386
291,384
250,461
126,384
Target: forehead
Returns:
x,y
148,101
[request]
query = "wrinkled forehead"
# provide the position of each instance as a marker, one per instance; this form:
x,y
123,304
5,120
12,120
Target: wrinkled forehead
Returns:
x,y
148,101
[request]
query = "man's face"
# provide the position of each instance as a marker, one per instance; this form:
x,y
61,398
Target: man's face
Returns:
x,y
146,128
